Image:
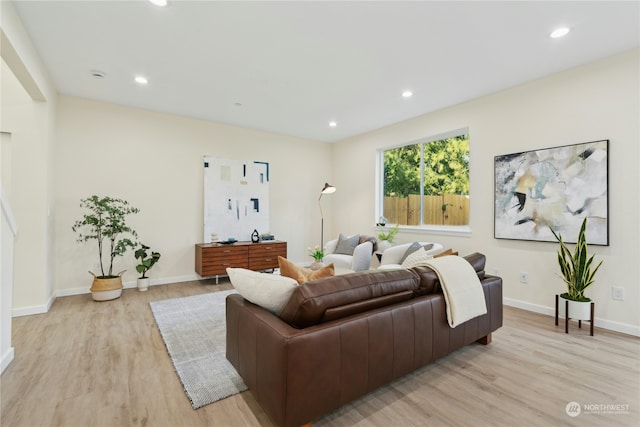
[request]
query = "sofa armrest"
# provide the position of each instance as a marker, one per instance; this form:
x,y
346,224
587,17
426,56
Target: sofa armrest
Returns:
x,y
362,257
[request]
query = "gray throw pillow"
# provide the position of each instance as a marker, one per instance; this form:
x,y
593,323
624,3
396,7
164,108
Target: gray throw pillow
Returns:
x,y
428,246
411,249
346,245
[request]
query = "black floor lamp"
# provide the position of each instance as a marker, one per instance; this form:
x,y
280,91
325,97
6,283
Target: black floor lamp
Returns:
x,y
327,189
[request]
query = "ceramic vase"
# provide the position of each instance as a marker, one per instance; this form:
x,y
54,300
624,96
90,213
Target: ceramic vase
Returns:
x,y
316,265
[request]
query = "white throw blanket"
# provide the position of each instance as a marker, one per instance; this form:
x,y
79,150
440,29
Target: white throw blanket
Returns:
x,y
461,287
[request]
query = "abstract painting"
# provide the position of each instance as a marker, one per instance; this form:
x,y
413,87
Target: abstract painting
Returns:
x,y
236,198
553,187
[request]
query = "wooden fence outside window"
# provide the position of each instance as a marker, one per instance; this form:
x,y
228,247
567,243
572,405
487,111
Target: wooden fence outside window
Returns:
x,y
445,209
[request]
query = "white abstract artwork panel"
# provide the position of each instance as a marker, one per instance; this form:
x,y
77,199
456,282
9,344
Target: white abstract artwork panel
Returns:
x,y
236,198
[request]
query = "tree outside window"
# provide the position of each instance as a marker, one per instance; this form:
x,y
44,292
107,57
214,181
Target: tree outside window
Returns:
x,y
427,183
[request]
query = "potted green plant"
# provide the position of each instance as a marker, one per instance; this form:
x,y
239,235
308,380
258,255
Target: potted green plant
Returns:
x,y
386,238
317,254
105,222
146,262
578,271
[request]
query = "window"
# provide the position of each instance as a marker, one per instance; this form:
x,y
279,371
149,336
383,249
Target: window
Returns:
x,y
427,183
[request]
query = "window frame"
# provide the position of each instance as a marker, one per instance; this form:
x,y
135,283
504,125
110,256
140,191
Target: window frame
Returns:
x,y
448,230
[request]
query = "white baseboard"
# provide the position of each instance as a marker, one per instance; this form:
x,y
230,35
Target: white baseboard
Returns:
x,y
39,309
34,309
7,357
551,311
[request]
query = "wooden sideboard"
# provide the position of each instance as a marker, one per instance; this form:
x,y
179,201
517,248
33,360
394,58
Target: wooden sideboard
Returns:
x,y
213,259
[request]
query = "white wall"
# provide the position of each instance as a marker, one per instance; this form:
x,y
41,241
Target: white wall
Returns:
x,y
154,161
597,101
8,229
28,111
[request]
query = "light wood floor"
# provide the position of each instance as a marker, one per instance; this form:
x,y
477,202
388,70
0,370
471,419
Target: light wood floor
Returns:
x,y
104,364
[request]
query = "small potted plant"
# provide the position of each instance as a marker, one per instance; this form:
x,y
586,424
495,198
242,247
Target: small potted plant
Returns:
x,y
105,222
317,254
578,271
146,262
386,238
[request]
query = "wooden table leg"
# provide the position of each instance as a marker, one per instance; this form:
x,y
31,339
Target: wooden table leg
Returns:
x,y
556,309
593,307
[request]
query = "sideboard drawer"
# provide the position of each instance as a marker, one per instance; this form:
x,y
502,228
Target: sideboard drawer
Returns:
x,y
263,256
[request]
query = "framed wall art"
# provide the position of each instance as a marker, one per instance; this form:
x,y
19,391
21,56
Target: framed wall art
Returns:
x,y
236,198
553,187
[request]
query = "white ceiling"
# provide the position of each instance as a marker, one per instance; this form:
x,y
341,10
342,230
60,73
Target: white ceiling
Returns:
x,y
294,66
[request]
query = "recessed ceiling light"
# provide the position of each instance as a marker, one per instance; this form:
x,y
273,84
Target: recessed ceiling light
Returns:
x,y
141,80
333,124
559,32
159,3
98,74
407,94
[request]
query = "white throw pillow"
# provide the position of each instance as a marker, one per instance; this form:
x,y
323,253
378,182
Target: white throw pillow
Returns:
x,y
269,291
416,258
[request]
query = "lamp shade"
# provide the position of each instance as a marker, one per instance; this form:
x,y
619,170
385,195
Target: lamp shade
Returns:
x,y
327,189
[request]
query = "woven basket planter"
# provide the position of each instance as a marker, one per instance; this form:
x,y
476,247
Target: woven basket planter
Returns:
x,y
105,289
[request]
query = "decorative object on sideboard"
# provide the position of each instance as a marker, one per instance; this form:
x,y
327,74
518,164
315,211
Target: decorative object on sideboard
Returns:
x,y
578,272
146,262
255,237
106,219
267,236
214,237
327,189
554,186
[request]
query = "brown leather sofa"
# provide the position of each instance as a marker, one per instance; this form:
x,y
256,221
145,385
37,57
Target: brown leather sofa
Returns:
x,y
341,337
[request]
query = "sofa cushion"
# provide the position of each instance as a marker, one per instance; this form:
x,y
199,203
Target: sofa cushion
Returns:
x,y
415,246
411,249
416,258
429,282
347,244
269,291
301,274
335,297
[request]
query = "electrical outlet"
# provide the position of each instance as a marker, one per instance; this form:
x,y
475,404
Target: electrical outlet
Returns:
x,y
617,293
524,277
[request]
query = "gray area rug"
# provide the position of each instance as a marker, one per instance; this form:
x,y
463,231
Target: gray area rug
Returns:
x,y
194,331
